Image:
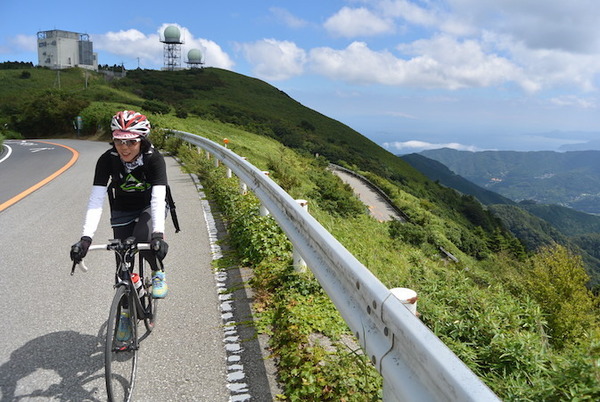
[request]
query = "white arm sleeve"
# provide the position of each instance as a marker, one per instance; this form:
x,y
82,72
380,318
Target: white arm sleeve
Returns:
x,y
158,207
94,210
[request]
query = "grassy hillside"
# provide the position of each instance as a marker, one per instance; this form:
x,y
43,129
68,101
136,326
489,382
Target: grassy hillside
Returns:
x,y
523,322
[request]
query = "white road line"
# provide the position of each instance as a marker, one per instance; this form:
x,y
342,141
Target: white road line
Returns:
x,y
8,154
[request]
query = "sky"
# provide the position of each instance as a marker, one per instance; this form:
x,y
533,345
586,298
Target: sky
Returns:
x,y
410,75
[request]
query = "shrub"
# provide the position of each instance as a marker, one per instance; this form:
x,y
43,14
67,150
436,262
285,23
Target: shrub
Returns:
x,y
557,281
51,113
154,106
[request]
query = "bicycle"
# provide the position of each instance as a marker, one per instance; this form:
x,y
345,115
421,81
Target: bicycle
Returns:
x,y
120,356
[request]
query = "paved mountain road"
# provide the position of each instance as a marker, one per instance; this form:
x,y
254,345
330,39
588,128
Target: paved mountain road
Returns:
x,y
379,208
51,333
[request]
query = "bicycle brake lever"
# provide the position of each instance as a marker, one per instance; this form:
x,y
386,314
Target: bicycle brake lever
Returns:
x,y
81,266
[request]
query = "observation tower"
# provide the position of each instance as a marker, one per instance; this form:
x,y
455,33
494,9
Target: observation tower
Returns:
x,y
194,59
172,48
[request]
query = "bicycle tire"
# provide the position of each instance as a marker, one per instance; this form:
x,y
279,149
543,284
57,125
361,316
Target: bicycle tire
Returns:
x,y
150,304
120,357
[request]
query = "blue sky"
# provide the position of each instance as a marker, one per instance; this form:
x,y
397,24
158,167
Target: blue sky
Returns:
x,y
409,74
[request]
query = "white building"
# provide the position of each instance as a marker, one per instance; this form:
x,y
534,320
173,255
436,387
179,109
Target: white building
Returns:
x,y
63,49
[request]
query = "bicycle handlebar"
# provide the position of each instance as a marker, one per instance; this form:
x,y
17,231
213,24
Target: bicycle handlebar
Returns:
x,y
108,247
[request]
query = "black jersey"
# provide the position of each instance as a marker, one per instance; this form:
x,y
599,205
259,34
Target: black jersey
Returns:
x,y
130,191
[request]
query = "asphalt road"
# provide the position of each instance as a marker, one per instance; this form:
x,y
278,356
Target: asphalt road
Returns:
x,y
378,206
51,332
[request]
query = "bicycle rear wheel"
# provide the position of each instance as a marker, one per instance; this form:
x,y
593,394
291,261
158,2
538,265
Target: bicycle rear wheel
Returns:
x,y
120,355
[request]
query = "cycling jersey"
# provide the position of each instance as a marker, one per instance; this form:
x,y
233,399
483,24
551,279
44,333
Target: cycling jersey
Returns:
x,y
132,188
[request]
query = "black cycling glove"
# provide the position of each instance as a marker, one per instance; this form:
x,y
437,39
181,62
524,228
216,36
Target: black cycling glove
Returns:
x,y
80,249
159,246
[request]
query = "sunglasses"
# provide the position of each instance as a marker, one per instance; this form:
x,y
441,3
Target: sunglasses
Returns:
x,y
128,143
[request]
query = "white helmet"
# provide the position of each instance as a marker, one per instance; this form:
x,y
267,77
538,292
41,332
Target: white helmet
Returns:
x,y
129,124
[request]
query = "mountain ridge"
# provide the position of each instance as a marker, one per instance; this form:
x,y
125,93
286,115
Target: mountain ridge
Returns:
x,y
564,178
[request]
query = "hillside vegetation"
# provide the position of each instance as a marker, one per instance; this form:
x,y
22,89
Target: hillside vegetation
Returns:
x,y
524,322
535,225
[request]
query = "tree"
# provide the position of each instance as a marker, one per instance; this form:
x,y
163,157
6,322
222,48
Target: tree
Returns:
x,y
51,113
557,281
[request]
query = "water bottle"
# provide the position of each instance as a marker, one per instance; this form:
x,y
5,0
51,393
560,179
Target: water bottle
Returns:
x,y
138,284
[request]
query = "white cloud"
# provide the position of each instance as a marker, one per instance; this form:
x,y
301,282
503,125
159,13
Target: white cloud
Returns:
x,y
409,12
399,114
472,43
572,100
19,44
570,26
441,62
275,60
417,146
287,18
354,22
213,55
25,42
130,44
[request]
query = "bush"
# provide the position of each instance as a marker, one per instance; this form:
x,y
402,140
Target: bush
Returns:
x,y
51,113
154,106
557,281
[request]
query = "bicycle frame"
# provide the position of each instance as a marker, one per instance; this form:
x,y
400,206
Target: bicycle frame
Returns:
x,y
140,307
125,252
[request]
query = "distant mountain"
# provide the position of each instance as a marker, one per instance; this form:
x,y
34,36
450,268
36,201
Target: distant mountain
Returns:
x,y
570,179
437,171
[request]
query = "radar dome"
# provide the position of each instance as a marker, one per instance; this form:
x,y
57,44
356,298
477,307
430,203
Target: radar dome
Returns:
x,y
194,56
172,34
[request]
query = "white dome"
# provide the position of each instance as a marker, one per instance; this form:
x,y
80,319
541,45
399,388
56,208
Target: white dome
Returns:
x,y
194,56
172,34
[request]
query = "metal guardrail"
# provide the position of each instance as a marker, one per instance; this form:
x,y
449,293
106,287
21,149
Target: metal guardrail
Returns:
x,y
414,363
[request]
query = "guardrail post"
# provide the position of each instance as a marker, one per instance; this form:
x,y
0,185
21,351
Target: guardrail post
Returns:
x,y
216,162
243,188
263,210
407,297
228,173
298,261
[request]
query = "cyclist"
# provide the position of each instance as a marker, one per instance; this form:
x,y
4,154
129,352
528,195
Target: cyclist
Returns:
x,y
134,175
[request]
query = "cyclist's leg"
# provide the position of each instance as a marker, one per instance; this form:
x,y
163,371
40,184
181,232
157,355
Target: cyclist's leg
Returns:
x,y
142,233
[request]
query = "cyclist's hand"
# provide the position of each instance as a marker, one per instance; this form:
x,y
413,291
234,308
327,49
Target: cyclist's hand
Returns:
x,y
80,249
159,246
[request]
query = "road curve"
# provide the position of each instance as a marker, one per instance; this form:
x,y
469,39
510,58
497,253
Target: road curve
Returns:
x,y
378,207
52,326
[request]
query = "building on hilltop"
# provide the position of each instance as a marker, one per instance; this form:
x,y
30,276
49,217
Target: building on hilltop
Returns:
x,y
62,49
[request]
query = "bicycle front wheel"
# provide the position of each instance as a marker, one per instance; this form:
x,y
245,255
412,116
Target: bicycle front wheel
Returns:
x,y
120,355
150,305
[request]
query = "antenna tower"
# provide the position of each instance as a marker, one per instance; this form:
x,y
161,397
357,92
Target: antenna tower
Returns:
x,y
172,48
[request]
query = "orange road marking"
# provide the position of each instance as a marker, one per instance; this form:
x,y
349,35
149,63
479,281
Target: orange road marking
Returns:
x,y
47,180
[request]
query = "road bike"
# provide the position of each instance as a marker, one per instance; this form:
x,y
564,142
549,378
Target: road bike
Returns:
x,y
120,353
